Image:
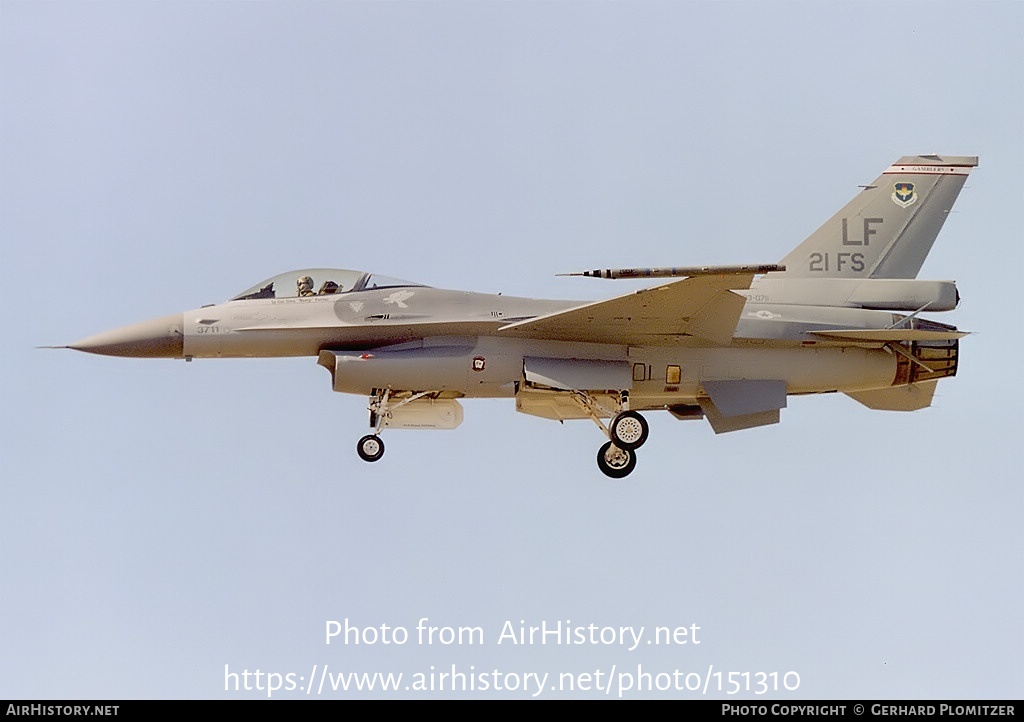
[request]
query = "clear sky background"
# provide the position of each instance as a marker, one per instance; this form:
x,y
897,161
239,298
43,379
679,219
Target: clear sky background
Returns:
x,y
160,520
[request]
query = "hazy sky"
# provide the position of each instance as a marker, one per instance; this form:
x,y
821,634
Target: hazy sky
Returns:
x,y
164,526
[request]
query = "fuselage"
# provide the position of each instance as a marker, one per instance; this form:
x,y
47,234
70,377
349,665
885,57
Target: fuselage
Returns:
x,y
455,343
403,324
383,317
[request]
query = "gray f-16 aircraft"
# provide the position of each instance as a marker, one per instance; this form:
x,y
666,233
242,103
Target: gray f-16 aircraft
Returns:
x,y
729,343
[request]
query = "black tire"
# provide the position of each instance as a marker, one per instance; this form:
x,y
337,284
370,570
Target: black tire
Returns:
x,y
616,463
629,430
370,448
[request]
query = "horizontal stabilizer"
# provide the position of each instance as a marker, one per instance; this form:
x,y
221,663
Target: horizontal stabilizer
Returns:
x,y
702,306
882,294
909,397
887,335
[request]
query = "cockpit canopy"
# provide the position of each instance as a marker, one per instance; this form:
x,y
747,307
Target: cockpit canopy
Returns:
x,y
319,282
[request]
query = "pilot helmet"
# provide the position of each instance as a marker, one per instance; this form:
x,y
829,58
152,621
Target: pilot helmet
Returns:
x,y
304,281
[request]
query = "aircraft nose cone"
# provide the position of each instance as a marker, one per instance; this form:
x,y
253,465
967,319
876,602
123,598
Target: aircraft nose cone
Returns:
x,y
157,338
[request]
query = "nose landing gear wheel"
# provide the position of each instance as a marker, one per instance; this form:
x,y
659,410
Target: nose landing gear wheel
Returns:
x,y
615,462
370,448
629,430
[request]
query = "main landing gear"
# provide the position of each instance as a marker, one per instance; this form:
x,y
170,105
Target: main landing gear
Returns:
x,y
628,430
626,433
615,462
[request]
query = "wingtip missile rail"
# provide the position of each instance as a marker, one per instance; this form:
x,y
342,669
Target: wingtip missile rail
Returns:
x,y
686,271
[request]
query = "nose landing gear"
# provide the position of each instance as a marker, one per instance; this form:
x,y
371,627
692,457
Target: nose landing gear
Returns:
x,y
383,405
370,447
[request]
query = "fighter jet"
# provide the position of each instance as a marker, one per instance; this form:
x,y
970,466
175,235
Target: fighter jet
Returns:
x,y
839,313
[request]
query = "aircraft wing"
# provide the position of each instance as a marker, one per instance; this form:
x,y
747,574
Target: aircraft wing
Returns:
x,y
702,306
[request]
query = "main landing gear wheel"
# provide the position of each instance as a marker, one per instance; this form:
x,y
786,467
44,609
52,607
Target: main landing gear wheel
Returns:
x,y
615,462
370,448
628,430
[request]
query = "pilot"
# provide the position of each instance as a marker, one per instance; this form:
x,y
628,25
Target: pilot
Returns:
x,y
305,285
328,288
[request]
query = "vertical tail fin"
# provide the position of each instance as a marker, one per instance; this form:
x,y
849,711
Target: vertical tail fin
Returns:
x,y
887,230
